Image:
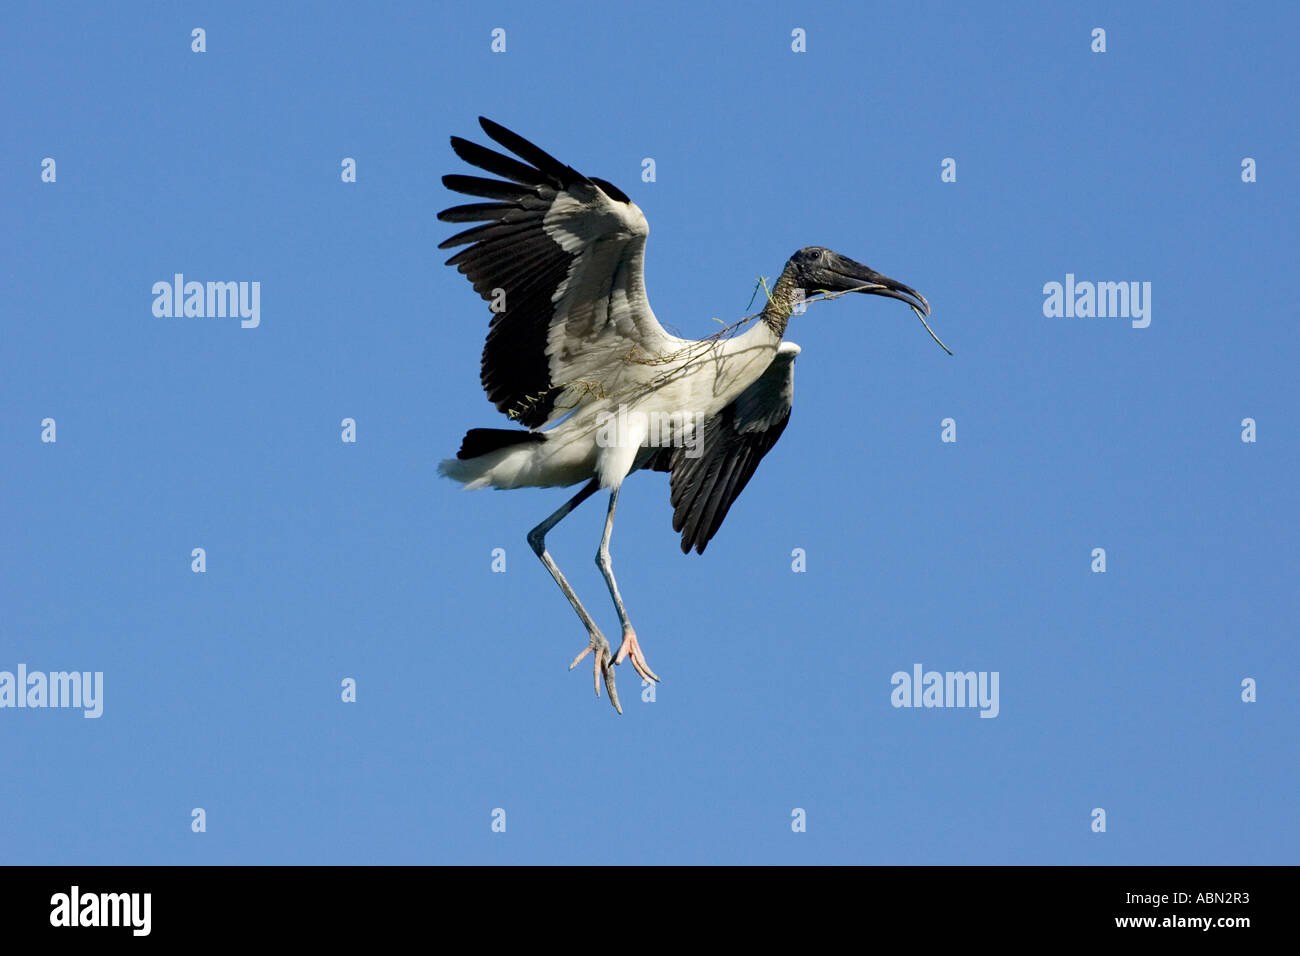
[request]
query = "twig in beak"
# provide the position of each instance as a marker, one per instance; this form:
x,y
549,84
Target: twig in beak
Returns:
x,y
928,329
824,295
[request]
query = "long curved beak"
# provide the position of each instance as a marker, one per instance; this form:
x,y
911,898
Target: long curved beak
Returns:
x,y
860,278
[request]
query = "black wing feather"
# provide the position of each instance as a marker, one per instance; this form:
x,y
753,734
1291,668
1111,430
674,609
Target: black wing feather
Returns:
x,y
544,161
493,162
487,188
731,445
478,212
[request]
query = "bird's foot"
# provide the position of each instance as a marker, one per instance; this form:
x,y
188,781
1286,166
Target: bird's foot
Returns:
x,y
630,648
604,666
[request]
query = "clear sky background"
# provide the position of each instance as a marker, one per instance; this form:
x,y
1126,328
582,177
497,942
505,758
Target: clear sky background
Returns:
x,y
328,560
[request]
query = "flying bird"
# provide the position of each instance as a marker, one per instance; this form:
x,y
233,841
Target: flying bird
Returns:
x,y
597,387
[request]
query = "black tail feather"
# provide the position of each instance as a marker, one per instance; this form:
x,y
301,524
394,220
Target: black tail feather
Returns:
x,y
480,441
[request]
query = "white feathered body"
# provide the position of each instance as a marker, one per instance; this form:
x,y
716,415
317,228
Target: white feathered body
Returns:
x,y
619,368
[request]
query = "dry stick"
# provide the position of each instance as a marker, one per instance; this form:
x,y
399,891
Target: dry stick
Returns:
x,y
871,285
928,329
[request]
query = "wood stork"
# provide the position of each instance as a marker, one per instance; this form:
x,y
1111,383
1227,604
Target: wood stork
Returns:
x,y
576,356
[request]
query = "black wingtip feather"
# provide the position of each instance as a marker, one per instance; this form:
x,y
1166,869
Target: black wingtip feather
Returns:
x,y
612,191
532,153
477,212
486,188
493,162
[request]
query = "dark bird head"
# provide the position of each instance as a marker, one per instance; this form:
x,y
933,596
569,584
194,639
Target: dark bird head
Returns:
x,y
817,270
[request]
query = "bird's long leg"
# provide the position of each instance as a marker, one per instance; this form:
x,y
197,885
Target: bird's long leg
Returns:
x,y
604,664
629,647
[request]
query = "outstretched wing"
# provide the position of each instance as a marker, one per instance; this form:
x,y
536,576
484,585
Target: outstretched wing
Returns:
x,y
732,444
566,253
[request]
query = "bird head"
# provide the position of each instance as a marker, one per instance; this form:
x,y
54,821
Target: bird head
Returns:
x,y
815,270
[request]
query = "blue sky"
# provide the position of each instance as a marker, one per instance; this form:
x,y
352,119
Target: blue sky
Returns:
x,y
328,560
